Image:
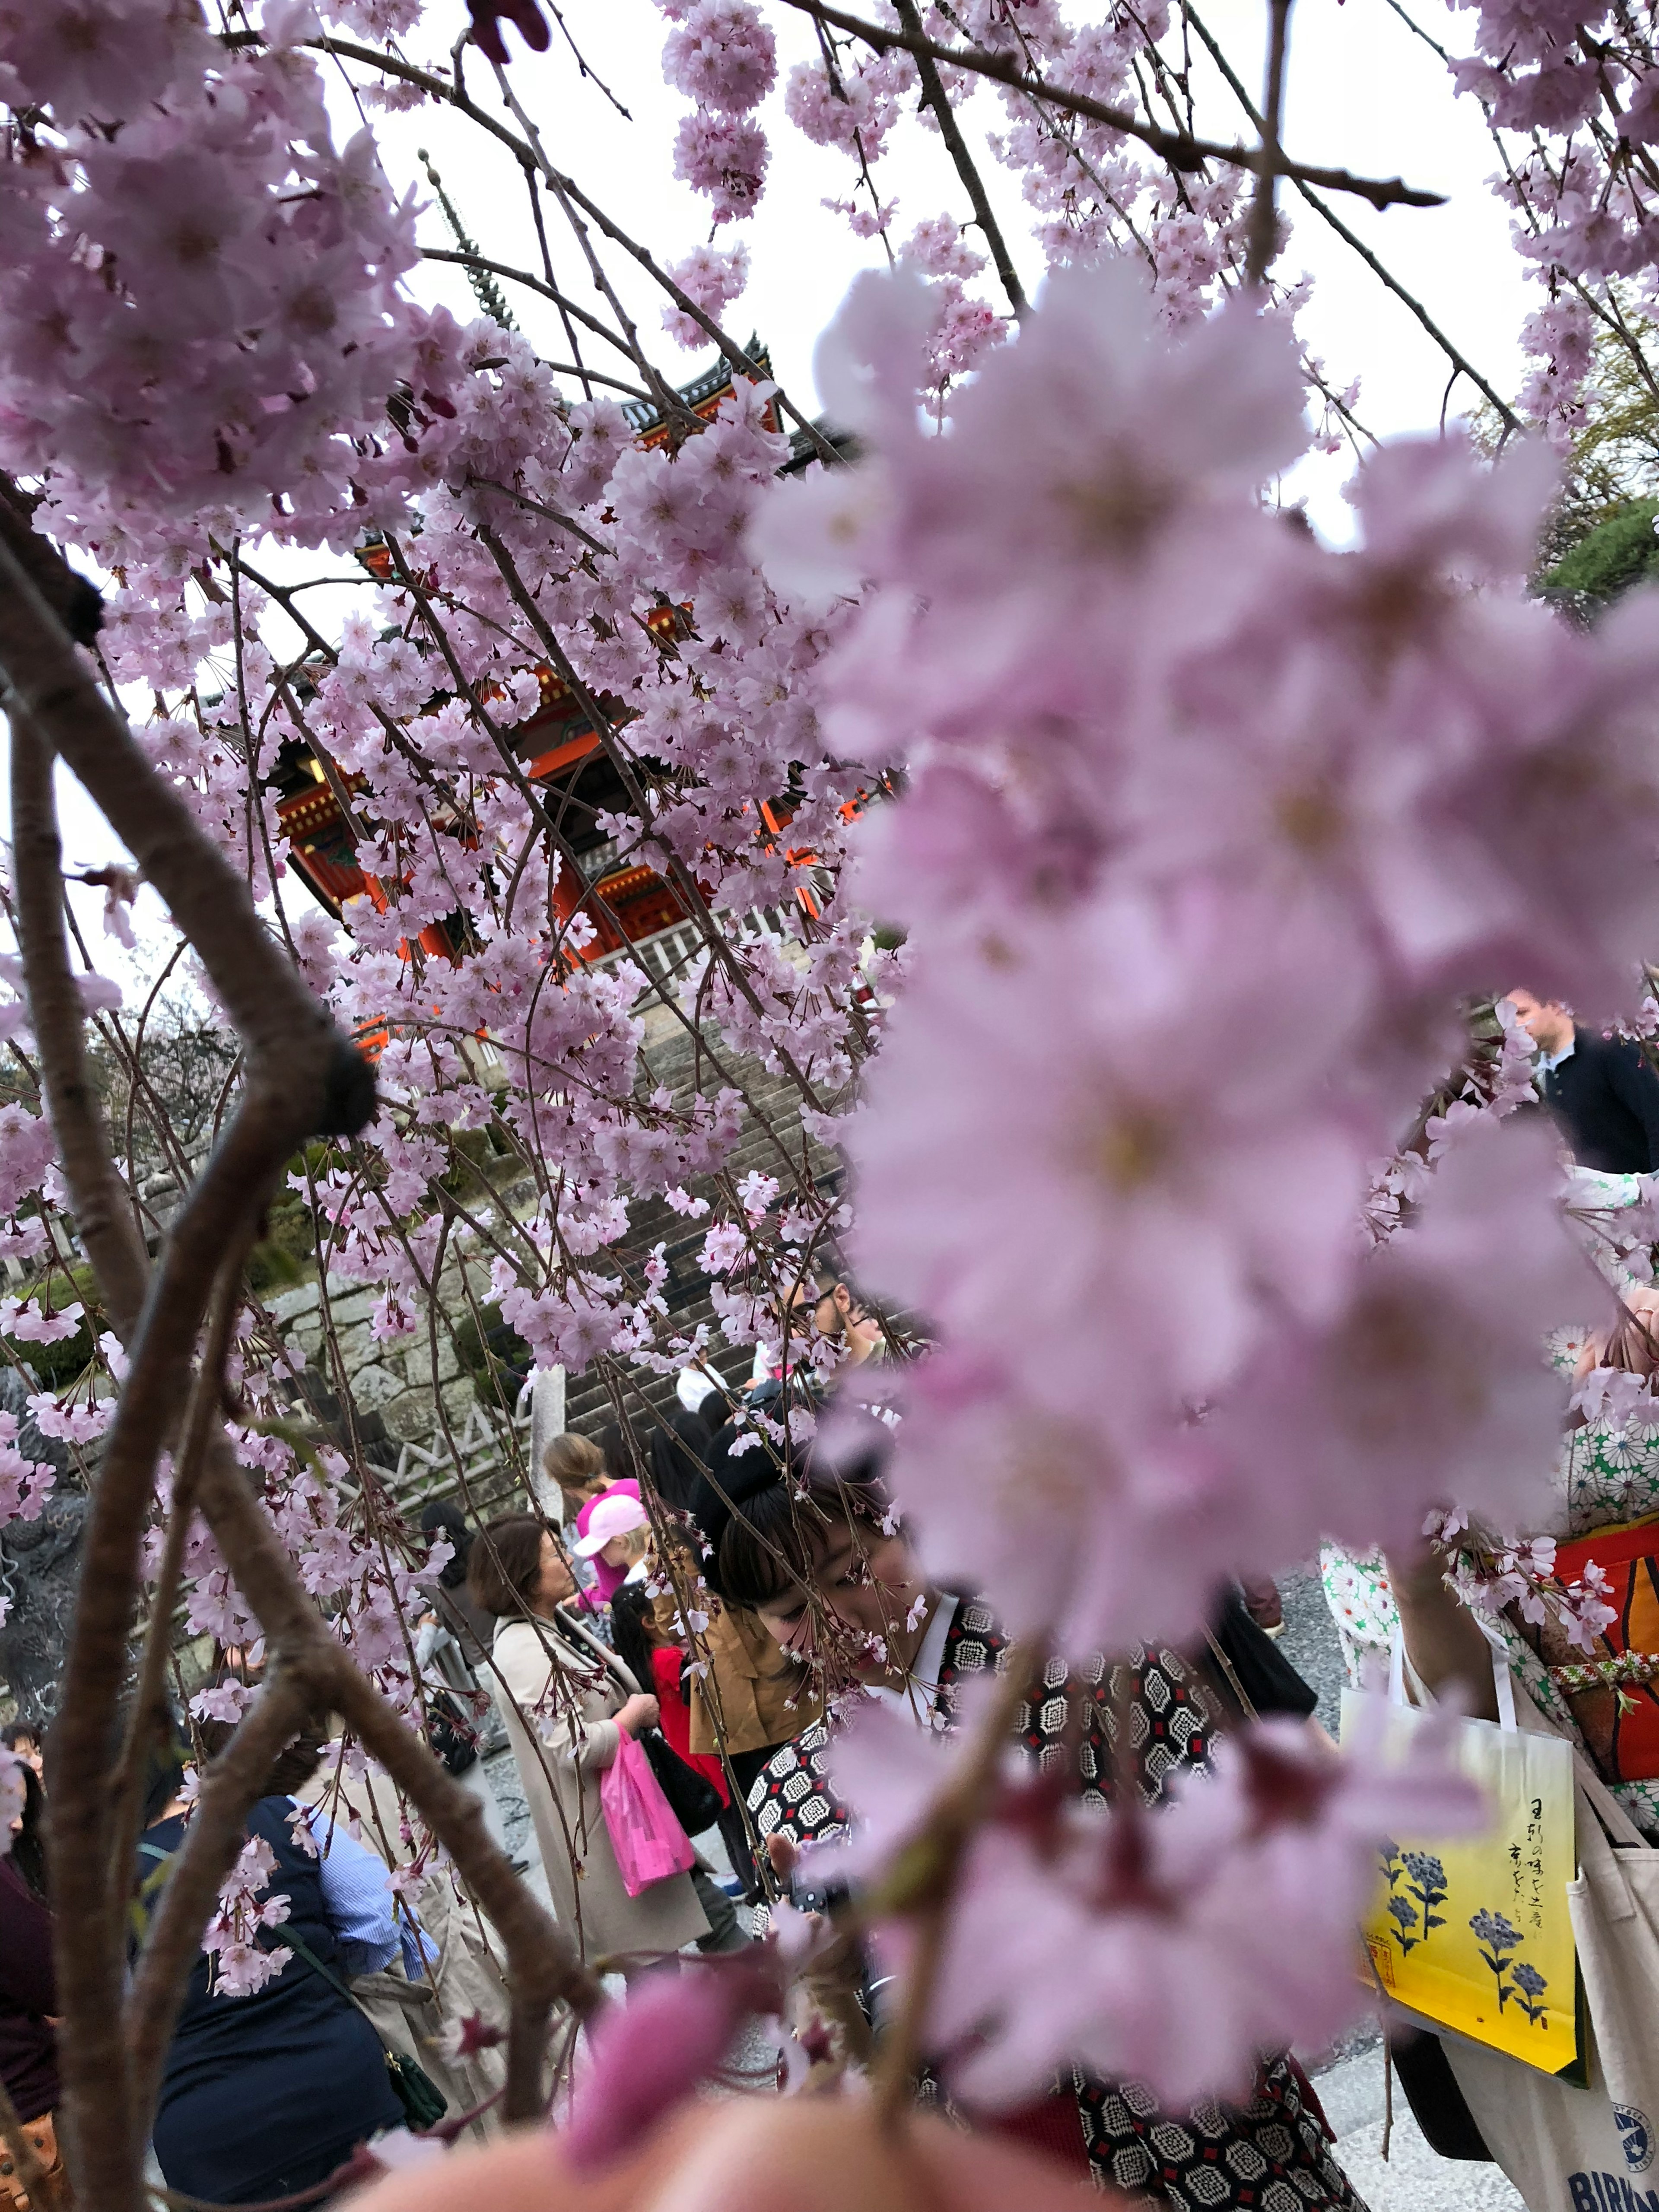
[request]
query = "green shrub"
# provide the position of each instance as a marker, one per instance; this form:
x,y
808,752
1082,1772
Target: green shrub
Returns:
x,y
1618,553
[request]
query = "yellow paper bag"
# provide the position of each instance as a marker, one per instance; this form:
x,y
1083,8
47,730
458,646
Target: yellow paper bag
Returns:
x,y
1476,1934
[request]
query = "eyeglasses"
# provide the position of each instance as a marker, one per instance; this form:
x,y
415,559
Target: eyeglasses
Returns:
x,y
800,1316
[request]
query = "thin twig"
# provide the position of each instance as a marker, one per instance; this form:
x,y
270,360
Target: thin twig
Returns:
x,y
148,1708
455,96
534,284
952,1825
1512,420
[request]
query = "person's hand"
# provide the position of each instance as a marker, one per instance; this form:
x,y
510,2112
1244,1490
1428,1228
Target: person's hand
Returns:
x,y
1632,1343
751,2154
639,1713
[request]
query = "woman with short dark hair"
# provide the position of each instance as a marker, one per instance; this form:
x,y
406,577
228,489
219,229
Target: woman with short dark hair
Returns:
x,y
569,1704
267,2090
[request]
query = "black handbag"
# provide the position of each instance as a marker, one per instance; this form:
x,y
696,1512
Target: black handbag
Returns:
x,y
692,1798
447,1732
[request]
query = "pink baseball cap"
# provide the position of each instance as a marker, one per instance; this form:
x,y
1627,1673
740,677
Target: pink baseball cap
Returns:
x,y
614,1512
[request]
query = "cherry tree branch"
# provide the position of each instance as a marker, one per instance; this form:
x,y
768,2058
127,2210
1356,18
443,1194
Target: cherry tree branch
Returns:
x,y
147,1716
103,1210
297,1085
452,95
1460,362
1264,211
934,94
1176,148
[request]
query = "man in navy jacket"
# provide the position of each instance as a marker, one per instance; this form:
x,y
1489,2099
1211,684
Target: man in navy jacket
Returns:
x,y
1601,1090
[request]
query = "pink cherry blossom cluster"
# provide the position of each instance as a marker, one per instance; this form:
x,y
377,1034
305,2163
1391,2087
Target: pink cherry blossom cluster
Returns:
x,y
1312,805
1490,1576
240,1963
713,279
1145,1946
722,55
1572,99
203,296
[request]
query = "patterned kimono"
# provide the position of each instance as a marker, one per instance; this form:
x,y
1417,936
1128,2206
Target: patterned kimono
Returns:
x,y
1272,2155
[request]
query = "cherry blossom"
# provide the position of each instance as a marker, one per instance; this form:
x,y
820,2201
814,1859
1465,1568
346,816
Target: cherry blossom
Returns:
x,y
1149,1947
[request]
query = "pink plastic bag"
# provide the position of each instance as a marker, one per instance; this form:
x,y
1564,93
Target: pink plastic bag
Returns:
x,y
649,1842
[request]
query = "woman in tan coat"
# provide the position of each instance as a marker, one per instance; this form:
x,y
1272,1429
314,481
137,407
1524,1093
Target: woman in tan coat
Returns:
x,y
568,1702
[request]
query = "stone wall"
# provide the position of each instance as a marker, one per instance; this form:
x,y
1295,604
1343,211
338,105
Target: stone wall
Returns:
x,y
395,1380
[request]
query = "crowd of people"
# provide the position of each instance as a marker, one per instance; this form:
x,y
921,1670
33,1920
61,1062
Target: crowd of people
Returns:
x,y
692,1596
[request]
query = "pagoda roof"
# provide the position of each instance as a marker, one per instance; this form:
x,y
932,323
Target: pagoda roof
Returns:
x,y
703,394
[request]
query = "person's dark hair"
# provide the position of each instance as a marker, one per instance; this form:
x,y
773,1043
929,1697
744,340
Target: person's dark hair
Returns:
x,y
505,1564
28,1845
443,1516
164,1770
618,1459
678,1453
17,1732
293,1766
768,1532
629,1608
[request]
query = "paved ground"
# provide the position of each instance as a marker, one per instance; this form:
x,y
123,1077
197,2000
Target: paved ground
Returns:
x,y
1309,1641
1412,2178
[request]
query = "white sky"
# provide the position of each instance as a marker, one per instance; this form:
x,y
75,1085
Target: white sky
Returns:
x,y
1362,92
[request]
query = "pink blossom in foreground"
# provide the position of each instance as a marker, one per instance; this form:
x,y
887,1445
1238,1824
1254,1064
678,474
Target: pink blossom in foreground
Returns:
x,y
1150,1947
648,2054
1433,1384
524,15
23,1319
1126,1177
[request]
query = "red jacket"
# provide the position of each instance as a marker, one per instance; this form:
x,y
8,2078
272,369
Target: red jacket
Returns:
x,y
667,1662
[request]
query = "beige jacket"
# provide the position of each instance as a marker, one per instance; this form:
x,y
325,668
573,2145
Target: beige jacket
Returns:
x,y
560,1718
469,1975
750,1686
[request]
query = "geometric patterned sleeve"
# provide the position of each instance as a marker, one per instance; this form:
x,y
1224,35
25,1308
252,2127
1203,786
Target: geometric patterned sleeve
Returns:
x,y
788,1797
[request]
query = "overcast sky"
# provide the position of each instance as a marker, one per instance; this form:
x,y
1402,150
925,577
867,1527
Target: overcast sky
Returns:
x,y
1362,92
